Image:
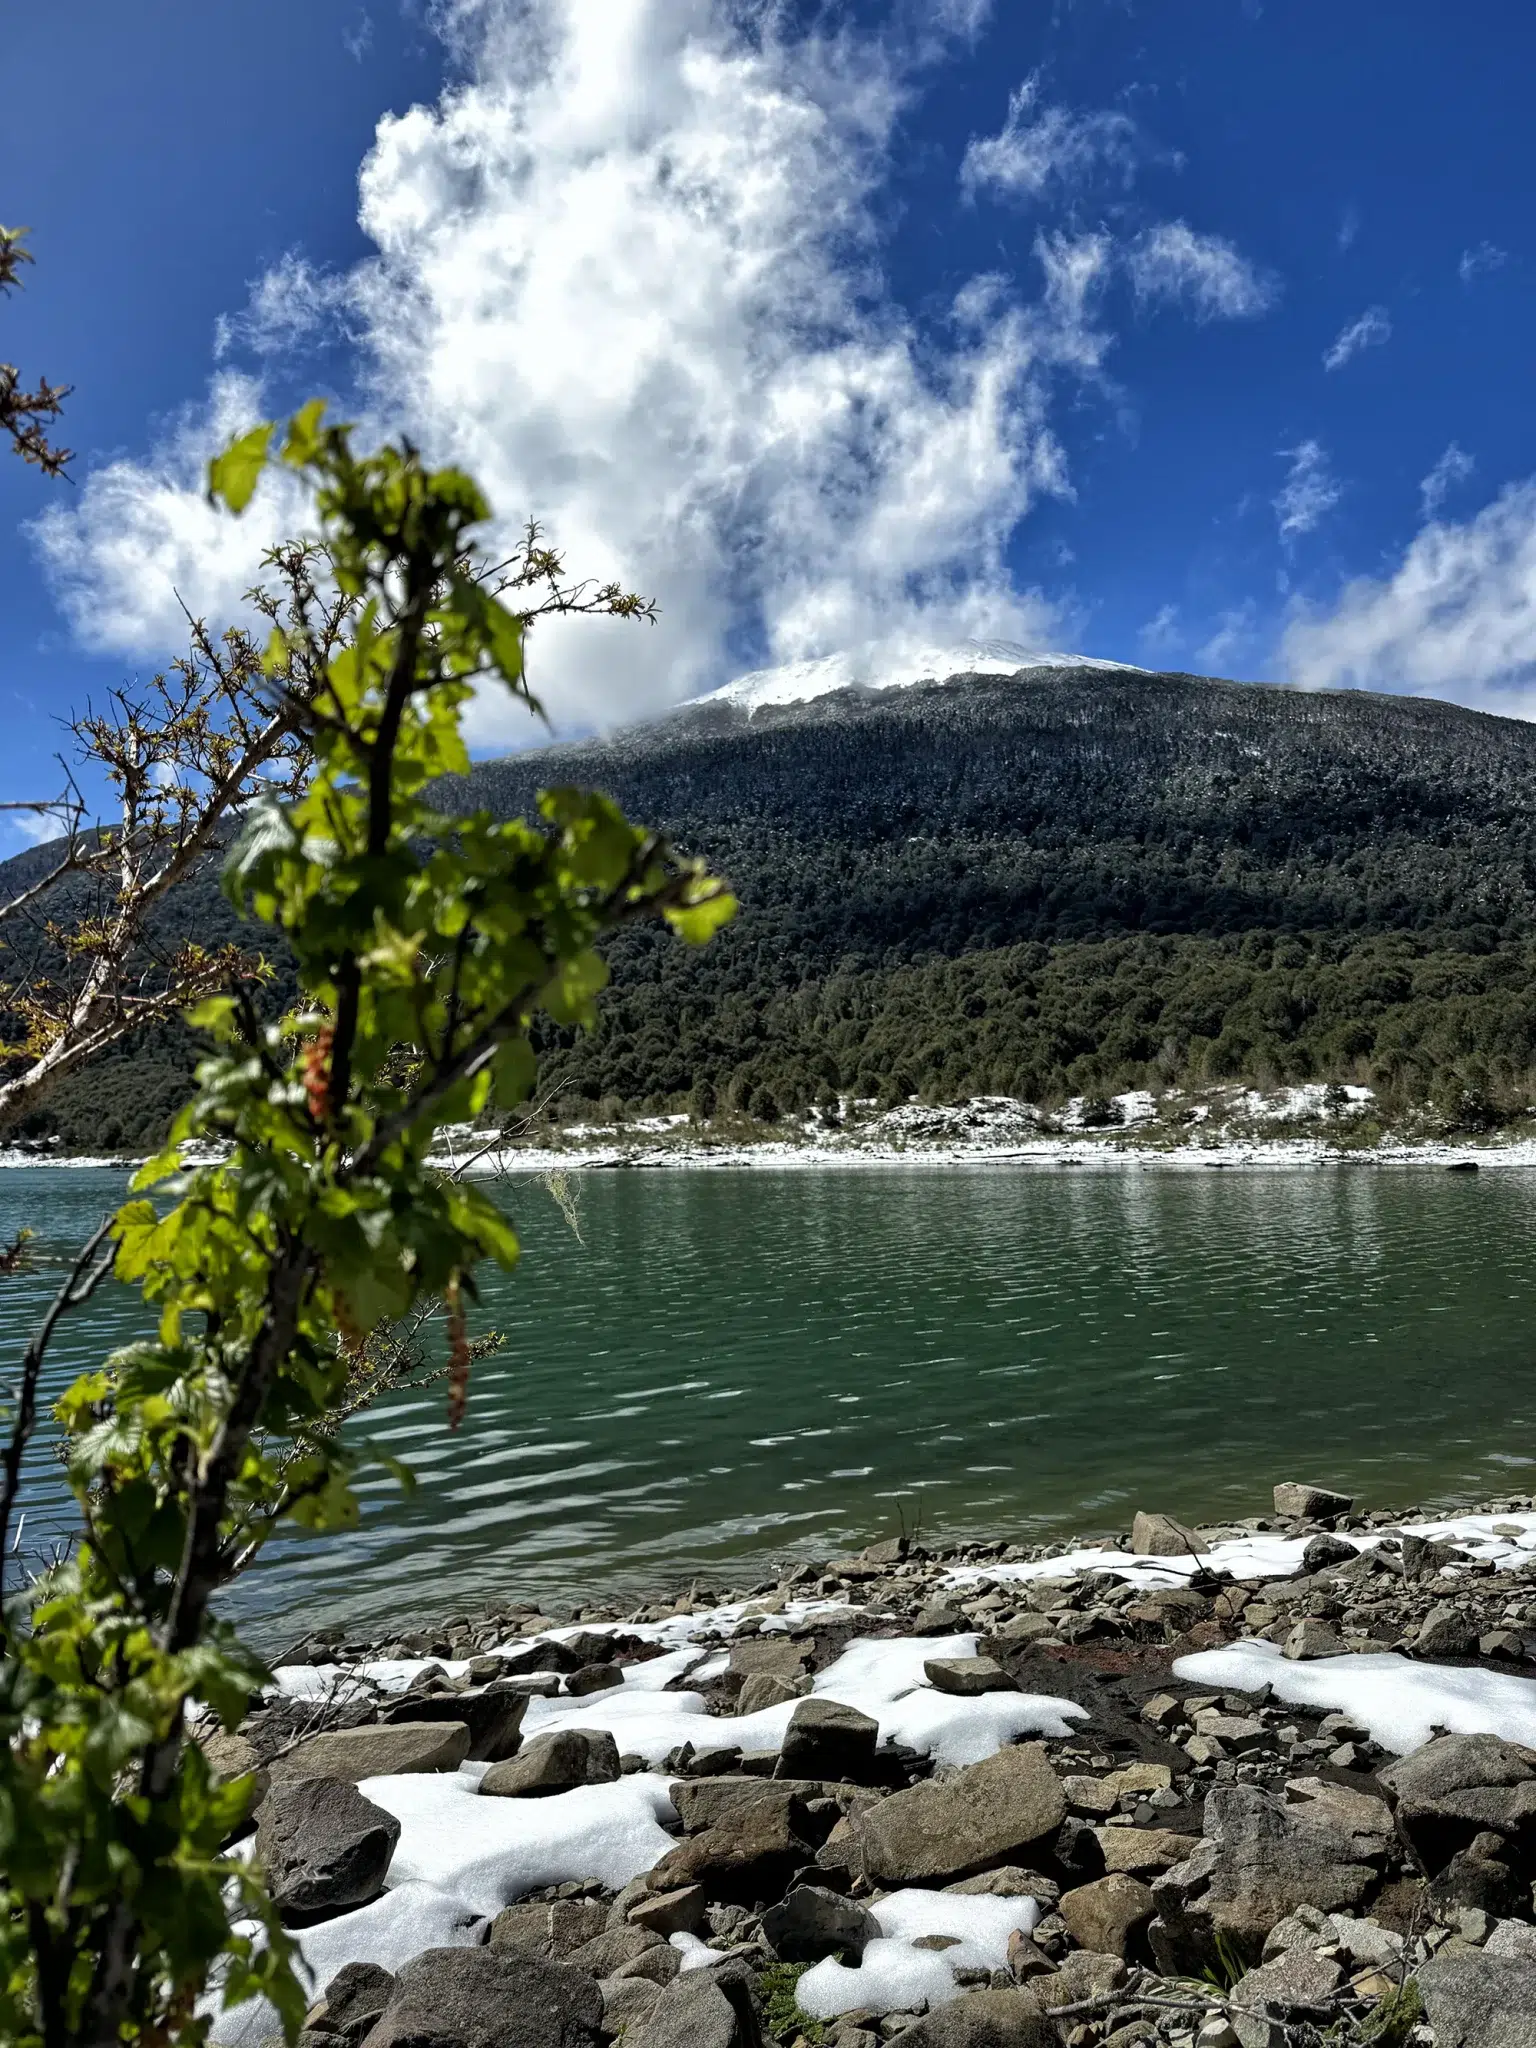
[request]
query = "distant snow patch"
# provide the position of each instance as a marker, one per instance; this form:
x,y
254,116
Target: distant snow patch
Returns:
x,y
878,665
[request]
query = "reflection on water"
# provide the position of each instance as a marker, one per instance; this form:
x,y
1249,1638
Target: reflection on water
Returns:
x,y
763,1362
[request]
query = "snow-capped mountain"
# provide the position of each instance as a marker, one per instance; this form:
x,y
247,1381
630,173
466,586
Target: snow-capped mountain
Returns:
x,y
879,666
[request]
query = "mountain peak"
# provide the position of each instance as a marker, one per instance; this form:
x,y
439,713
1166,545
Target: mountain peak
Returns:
x,y
887,665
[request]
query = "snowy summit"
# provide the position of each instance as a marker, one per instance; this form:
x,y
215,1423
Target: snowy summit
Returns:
x,y
880,665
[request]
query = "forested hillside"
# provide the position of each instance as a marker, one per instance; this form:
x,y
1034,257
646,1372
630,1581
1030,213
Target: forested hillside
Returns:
x,y
1057,883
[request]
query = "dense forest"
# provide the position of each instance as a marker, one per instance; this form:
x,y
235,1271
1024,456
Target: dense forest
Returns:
x,y
1058,883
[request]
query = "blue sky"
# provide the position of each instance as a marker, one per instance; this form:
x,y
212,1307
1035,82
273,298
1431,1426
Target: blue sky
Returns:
x,y
1195,335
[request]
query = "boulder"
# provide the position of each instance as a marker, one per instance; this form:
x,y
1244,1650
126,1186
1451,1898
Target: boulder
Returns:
x,y
767,1689
1299,1984
1162,1536
234,1756
626,2000
487,1998
669,1913
1445,1632
811,1922
1259,1860
351,2002
1084,1974
389,1751
1144,1852
557,1762
748,1858
324,1847
1476,2000
945,1828
1478,1877
552,1931
712,1802
775,1655
1310,1503
594,1678
701,2010
545,1656
967,1678
619,1949
825,1739
1312,1638
986,2019
1457,1787
493,1714
1324,1551
1108,1915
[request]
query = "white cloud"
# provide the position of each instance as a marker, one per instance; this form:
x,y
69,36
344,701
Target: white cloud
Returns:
x,y
1173,262
1162,631
1456,618
142,540
1236,632
1041,145
1370,331
628,272
1349,226
1454,467
1309,492
1478,262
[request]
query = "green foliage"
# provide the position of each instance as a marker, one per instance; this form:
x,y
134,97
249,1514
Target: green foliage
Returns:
x,y
1229,1967
425,948
784,2019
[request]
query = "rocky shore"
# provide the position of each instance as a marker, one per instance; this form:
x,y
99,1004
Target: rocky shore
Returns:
x,y
1241,1787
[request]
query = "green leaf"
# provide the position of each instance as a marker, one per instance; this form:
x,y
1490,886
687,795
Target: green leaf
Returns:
x,y
516,1066
304,440
234,475
697,923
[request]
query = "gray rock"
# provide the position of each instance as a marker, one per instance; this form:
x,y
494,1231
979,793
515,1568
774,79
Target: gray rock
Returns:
x,y
989,1813
1457,1786
351,2002
1310,1503
825,1739
1108,1915
557,1762
669,1913
767,1689
775,1655
939,1620
1512,1938
608,1953
1083,1974
1445,1632
548,1932
701,2010
749,1857
1162,1536
325,1848
1476,2000
986,2019
1313,1638
1324,1551
493,1714
376,1752
486,1998
1260,1859
626,2000
967,1678
594,1678
811,1922
711,1802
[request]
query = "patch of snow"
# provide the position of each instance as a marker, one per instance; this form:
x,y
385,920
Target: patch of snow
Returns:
x,y
1400,1703
892,1975
395,1928
696,1954
489,1852
883,665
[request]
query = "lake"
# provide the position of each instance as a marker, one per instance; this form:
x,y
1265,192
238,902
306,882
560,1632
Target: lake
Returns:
x,y
736,1366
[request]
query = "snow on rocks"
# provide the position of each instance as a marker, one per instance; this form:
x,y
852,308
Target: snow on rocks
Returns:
x,y
1400,1704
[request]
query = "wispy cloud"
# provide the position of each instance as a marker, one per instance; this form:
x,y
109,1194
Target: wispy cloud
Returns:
x,y
1454,467
1235,634
290,306
1041,145
1349,226
1371,330
1456,618
1174,262
1162,631
1480,261
1310,490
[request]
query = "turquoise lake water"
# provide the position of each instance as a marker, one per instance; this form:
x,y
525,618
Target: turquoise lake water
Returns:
x,y
736,1365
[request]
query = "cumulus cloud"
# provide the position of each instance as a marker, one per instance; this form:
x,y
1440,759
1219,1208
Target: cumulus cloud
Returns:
x,y
1173,262
1454,467
1480,261
628,271
1039,145
1310,490
1371,329
1456,618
